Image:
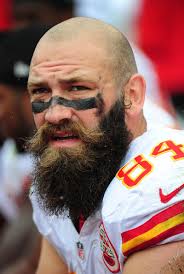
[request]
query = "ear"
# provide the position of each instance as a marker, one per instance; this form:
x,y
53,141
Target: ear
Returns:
x,y
134,95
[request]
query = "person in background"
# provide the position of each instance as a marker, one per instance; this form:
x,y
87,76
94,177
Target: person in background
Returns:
x,y
19,238
50,12
160,31
107,192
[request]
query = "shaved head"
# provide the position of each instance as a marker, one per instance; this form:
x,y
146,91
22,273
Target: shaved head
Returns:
x,y
105,36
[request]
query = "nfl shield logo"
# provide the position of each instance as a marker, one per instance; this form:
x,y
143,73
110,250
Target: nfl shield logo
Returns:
x,y
80,250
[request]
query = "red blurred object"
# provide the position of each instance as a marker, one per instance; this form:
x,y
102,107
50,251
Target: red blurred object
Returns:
x,y
81,222
5,14
161,36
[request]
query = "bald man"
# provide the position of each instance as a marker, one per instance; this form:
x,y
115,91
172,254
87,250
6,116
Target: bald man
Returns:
x,y
107,193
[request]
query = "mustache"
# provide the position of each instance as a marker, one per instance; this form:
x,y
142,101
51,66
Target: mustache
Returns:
x,y
40,141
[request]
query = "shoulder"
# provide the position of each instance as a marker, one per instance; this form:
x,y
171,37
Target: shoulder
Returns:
x,y
154,164
156,142
153,136
149,154
58,230
41,219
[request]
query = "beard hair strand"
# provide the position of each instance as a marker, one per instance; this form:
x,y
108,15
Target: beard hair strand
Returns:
x,y
73,181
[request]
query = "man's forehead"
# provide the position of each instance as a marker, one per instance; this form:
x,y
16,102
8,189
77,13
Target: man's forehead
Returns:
x,y
81,45
72,63
70,76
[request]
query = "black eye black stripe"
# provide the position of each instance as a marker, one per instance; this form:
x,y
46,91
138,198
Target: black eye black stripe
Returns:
x,y
39,106
80,104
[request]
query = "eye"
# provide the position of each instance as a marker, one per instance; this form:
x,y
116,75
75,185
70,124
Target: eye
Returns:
x,y
79,88
39,90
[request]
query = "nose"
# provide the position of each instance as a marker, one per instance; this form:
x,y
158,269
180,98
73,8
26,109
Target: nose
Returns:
x,y
57,113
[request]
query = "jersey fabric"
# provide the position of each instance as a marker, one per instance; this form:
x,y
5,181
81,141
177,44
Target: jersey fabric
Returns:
x,y
15,172
143,206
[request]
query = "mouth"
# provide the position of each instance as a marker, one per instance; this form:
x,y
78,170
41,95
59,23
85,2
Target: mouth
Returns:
x,y
65,138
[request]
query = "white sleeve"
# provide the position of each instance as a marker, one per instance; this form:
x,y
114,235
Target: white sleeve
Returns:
x,y
143,205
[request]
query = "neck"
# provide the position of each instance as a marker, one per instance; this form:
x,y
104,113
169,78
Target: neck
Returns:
x,y
138,126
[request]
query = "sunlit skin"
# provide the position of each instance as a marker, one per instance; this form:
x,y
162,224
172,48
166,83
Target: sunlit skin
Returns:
x,y
72,72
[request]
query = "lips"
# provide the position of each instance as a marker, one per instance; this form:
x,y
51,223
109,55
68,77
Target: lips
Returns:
x,y
66,135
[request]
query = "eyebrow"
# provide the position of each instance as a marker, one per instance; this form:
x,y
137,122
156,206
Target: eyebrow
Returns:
x,y
35,84
65,79
74,79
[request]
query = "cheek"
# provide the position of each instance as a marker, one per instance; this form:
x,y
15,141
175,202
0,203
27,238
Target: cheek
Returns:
x,y
39,119
89,118
109,102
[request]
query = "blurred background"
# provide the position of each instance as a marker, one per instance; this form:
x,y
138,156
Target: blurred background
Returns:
x,y
155,30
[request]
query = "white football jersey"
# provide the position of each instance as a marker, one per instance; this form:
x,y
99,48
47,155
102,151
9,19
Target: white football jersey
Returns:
x,y
142,207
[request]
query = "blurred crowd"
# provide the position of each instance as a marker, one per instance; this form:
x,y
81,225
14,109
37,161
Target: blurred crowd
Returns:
x,y
156,31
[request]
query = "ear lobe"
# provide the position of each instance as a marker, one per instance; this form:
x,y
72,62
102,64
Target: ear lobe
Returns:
x,y
134,95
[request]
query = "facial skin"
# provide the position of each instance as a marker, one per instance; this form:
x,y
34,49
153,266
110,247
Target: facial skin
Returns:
x,y
14,112
78,152
69,74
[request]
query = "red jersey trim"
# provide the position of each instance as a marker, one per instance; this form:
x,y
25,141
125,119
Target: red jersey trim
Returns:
x,y
161,226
